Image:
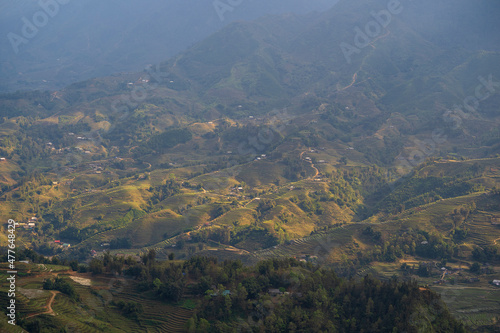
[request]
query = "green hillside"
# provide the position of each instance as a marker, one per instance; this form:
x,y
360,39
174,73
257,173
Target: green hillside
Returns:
x,y
264,142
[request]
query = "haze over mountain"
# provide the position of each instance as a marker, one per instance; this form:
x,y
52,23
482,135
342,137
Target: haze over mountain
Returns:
x,y
83,39
365,137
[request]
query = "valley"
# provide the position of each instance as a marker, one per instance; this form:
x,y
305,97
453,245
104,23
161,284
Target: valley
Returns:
x,y
259,161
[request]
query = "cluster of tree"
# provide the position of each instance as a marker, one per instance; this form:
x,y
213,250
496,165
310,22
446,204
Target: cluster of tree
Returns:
x,y
120,243
75,234
265,205
308,205
61,285
28,103
410,242
304,296
161,142
161,192
415,192
108,264
295,169
487,253
235,235
25,253
219,210
345,187
373,234
129,309
384,155
312,299
423,269
252,140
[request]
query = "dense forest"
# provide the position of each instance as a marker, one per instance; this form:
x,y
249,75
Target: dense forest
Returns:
x,y
283,296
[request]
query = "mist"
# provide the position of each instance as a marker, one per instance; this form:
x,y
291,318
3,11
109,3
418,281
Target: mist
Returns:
x,y
50,44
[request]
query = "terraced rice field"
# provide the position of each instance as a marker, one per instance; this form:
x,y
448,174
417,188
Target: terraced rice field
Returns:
x,y
481,231
157,316
475,306
315,245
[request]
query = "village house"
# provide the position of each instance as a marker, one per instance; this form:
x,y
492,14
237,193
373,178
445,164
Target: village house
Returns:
x,y
274,292
496,283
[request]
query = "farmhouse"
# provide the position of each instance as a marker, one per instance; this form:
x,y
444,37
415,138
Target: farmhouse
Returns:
x,y
2,159
496,283
274,292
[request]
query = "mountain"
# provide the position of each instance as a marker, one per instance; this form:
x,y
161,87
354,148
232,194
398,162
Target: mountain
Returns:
x,y
78,40
363,138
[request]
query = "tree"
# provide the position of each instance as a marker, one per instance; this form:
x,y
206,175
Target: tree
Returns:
x,y
74,265
96,266
475,268
157,284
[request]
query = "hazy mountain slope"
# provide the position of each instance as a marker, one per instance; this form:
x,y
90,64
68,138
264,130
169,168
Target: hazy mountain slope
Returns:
x,y
206,117
84,39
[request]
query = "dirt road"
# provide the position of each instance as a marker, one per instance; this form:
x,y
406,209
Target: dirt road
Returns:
x,y
48,306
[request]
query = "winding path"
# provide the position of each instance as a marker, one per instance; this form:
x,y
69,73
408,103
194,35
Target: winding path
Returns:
x,y
354,78
48,306
312,165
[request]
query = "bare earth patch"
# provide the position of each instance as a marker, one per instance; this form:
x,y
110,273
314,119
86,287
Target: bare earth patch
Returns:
x,y
31,293
82,281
